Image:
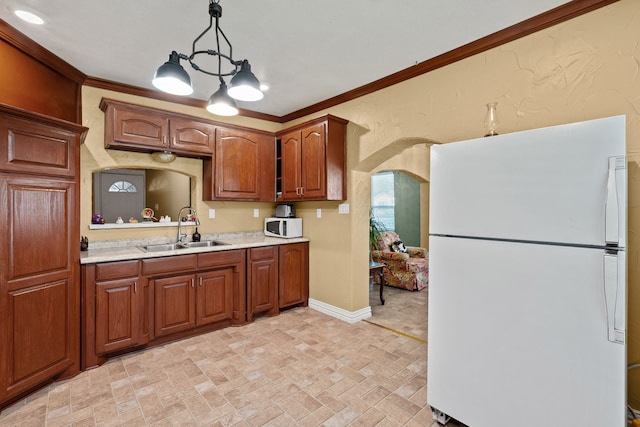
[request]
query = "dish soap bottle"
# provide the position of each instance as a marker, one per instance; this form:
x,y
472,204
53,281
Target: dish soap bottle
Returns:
x,y
196,236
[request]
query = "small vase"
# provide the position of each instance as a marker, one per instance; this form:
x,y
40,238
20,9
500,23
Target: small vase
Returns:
x,y
491,119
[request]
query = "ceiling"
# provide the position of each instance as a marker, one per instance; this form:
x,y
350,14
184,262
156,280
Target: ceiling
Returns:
x,y
305,51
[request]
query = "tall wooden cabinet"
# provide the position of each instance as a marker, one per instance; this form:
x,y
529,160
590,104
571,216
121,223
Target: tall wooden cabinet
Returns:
x,y
39,250
311,161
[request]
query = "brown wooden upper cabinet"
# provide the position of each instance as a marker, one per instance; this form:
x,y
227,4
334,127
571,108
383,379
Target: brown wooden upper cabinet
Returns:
x,y
304,162
242,166
137,128
311,161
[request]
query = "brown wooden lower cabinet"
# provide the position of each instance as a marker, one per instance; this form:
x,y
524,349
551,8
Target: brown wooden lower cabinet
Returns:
x,y
131,304
294,274
117,309
214,296
186,301
174,304
114,310
262,281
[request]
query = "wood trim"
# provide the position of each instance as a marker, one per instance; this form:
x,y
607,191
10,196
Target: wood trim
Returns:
x,y
68,108
540,22
545,20
106,102
43,118
161,96
33,49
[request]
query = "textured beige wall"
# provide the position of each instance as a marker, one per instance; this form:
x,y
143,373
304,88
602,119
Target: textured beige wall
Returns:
x,y
582,69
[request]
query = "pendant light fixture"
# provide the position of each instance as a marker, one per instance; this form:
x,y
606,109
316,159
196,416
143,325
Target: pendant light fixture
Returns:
x,y
244,85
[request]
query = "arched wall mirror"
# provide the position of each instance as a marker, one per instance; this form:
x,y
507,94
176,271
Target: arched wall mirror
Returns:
x,y
126,193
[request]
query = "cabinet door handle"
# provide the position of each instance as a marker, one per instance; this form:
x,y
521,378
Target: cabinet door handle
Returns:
x,y
201,282
174,140
302,191
164,139
192,284
135,287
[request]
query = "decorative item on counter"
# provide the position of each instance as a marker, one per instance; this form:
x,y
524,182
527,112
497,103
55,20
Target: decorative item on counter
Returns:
x,y
119,220
165,219
84,243
147,214
132,220
196,236
491,119
97,219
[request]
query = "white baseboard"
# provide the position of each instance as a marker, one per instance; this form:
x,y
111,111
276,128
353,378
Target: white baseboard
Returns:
x,y
339,313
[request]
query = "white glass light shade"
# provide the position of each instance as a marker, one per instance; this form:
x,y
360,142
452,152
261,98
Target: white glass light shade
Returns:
x,y
172,78
221,103
244,86
163,156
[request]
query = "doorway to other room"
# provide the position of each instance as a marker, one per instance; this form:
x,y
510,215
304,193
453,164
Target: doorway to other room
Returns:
x,y
395,202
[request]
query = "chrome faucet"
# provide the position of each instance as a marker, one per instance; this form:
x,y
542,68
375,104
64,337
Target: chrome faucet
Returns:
x,y
190,211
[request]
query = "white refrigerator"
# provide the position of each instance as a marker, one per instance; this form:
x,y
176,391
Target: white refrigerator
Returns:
x,y
527,278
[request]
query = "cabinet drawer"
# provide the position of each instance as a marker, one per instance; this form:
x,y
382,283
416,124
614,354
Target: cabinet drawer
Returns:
x,y
169,264
213,259
116,270
266,252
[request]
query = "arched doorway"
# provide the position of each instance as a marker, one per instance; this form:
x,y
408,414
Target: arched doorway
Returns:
x,y
395,202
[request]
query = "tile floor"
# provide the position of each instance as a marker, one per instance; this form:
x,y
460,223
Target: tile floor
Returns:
x,y
403,311
302,368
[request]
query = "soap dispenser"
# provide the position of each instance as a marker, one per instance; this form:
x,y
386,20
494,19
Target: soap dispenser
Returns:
x,y
196,236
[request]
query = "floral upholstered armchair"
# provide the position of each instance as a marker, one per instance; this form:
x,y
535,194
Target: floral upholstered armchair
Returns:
x,y
405,267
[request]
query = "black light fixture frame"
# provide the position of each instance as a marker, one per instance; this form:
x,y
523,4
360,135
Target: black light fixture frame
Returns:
x,y
215,12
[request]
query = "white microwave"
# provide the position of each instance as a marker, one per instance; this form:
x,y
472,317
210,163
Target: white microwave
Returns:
x,y
283,227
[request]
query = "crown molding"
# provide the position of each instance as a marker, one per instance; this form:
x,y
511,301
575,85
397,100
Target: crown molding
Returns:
x,y
545,20
539,22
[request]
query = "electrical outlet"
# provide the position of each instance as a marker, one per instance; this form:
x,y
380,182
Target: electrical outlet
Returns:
x,y
343,208
319,213
256,213
212,213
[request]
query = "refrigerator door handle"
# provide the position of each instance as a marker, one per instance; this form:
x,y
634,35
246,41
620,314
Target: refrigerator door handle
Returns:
x,y
614,299
613,207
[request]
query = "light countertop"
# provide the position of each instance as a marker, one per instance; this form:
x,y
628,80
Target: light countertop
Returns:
x,y
120,250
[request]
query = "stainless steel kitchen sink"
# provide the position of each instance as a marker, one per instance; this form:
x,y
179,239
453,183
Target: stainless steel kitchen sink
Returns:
x,y
177,246
162,247
203,244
